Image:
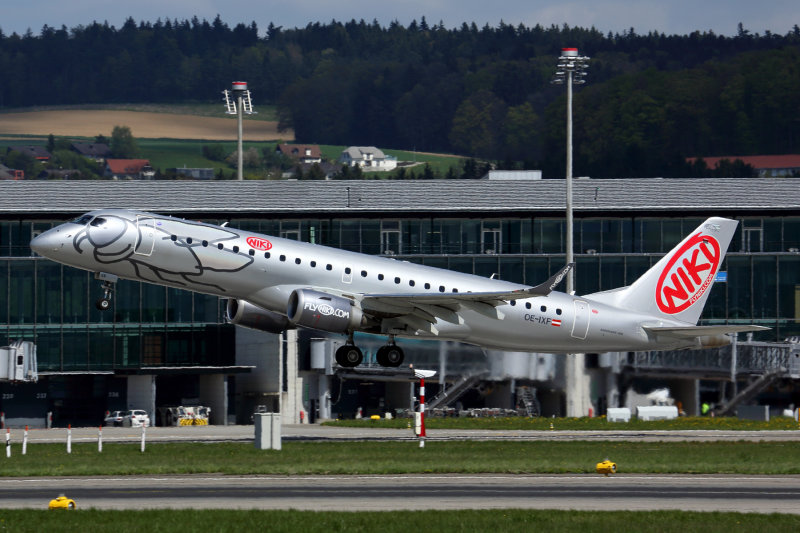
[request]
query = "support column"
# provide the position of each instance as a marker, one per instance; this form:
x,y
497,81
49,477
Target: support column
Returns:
x,y
214,394
577,385
142,394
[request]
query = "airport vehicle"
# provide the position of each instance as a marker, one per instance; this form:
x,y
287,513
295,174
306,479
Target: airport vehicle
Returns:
x,y
114,418
136,418
273,284
62,502
195,415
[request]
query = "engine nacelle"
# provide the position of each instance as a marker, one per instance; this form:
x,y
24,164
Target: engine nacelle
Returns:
x,y
251,316
326,312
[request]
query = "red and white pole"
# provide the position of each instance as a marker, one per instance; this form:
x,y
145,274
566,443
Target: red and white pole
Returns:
x,y
422,412
8,442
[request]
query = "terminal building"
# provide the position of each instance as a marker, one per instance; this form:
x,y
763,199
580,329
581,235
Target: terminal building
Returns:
x,y
162,347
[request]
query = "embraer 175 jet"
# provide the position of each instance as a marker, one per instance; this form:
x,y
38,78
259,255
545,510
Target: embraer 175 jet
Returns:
x,y
273,284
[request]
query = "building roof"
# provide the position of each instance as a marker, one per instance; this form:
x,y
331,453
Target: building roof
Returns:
x,y
297,151
126,166
681,197
758,162
358,152
92,149
37,152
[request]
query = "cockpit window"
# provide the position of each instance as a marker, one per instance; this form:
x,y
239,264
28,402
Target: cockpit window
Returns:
x,y
83,220
98,221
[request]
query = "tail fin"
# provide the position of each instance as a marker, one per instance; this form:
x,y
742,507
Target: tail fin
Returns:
x,y
677,287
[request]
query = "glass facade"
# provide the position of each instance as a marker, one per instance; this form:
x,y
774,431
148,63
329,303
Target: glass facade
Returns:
x,y
53,305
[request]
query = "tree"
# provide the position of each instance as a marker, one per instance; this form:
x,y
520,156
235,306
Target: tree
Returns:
x,y
123,145
478,124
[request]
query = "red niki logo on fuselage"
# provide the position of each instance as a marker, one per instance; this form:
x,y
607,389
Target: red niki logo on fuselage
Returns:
x,y
688,274
259,244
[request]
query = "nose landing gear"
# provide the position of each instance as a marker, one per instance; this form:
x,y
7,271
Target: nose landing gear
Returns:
x,y
109,280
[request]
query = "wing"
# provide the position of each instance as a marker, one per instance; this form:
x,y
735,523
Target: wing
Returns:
x,y
411,312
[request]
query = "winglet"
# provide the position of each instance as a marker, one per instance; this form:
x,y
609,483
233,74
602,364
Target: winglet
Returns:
x,y
547,287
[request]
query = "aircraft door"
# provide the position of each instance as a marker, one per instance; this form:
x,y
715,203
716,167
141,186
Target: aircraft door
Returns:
x,y
580,326
146,236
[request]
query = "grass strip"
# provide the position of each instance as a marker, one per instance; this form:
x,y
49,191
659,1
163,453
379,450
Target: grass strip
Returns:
x,y
392,457
511,520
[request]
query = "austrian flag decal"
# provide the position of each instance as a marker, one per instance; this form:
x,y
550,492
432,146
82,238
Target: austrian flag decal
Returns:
x,y
557,322
688,274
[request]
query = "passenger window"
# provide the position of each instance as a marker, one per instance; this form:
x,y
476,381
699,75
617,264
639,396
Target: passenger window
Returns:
x,y
174,238
397,280
543,308
220,246
328,267
188,240
441,288
380,277
252,252
267,255
558,311
283,258
236,249
527,305
411,282
347,270
297,261
513,302
313,264
205,243
363,273
427,285
455,290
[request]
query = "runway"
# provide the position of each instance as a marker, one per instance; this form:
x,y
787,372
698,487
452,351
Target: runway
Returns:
x,y
759,494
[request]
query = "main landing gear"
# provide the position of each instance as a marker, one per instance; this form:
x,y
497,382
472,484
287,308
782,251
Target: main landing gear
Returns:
x,y
350,355
109,280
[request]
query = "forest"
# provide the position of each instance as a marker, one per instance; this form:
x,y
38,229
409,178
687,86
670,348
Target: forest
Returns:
x,y
650,102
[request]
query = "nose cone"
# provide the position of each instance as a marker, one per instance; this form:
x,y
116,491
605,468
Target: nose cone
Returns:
x,y
48,243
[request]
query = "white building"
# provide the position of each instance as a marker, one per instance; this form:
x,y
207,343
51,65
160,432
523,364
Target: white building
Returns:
x,y
369,158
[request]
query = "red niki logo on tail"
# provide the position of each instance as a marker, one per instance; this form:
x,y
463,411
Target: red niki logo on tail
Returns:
x,y
688,274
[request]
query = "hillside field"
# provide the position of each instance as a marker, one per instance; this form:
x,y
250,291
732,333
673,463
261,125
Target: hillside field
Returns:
x,y
143,124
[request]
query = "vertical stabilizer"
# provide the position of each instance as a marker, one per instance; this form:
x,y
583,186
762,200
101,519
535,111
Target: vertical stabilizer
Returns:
x,y
678,286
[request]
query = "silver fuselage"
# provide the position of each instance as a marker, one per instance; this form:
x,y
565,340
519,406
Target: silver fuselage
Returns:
x,y
264,270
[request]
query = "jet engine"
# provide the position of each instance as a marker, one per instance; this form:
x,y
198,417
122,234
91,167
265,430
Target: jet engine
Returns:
x,y
243,313
319,310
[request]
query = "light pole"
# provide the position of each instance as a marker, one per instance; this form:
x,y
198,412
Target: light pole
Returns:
x,y
237,101
571,70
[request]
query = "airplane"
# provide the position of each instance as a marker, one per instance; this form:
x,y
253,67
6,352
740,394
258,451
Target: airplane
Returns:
x,y
273,284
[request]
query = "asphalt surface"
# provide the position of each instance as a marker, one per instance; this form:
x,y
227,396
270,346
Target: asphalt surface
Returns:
x,y
759,494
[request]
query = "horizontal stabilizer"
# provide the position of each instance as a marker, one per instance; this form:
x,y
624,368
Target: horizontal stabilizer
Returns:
x,y
690,332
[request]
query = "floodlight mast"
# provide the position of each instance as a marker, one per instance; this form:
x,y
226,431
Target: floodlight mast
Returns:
x,y
238,101
571,70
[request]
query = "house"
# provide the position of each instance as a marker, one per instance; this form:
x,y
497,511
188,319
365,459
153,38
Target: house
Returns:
x,y
303,153
326,169
96,151
368,158
766,166
11,173
194,173
36,152
128,169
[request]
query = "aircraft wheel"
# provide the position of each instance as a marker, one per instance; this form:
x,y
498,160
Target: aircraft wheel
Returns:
x,y
103,304
390,355
349,356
